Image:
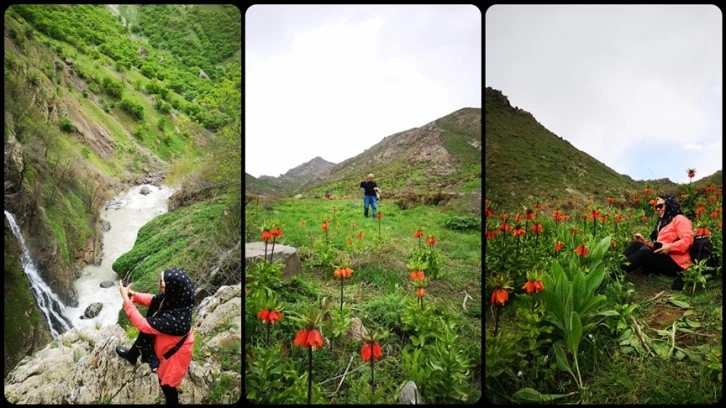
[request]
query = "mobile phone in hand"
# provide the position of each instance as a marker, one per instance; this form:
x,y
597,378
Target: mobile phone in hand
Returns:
x,y
657,245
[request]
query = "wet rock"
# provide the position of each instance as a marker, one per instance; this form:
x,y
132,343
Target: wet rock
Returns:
x,y
92,310
107,284
145,190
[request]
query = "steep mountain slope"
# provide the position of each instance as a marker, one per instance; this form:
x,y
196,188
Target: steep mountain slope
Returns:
x,y
524,161
442,155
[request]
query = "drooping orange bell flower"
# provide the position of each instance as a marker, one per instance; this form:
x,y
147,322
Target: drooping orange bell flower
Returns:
x,y
533,286
500,297
581,250
371,350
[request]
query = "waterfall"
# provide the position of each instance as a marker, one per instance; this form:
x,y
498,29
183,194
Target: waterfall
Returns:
x,y
48,302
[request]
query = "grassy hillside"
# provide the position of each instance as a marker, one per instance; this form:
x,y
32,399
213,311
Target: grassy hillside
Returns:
x,y
420,338
524,161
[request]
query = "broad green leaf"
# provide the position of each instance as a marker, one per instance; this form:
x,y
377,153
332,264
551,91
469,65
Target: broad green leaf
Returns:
x,y
575,336
594,279
532,395
592,303
610,312
692,323
561,359
578,290
568,312
679,303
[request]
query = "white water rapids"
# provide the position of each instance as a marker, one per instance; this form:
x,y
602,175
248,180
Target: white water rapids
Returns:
x,y
135,210
131,211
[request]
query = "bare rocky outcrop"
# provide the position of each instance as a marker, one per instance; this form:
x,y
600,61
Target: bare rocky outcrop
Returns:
x,y
255,252
81,367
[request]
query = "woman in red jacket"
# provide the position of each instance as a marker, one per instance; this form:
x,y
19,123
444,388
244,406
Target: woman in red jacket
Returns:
x,y
170,322
672,236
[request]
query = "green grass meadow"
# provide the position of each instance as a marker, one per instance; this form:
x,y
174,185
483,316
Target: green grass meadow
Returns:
x,y
436,344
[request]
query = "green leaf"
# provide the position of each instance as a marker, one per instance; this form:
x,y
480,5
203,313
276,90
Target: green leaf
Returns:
x,y
679,303
532,395
578,290
575,336
594,278
692,323
610,312
561,359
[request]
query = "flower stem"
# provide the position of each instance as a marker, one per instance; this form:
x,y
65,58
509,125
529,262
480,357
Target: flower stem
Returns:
x,y
373,382
341,293
273,248
268,333
265,250
533,301
496,320
310,373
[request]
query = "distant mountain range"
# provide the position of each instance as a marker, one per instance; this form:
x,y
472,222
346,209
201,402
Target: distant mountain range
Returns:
x,y
443,155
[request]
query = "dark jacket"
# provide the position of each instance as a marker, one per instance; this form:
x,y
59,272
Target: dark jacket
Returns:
x,y
369,187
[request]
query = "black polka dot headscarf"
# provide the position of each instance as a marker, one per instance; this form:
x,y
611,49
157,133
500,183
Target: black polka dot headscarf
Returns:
x,y
174,315
672,208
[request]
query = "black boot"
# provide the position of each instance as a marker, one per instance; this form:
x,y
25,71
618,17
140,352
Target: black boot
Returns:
x,y
128,355
678,284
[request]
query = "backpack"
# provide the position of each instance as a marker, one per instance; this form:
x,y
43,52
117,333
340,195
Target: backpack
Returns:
x,y
702,248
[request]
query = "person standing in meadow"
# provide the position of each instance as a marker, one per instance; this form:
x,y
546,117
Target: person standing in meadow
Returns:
x,y
672,237
370,195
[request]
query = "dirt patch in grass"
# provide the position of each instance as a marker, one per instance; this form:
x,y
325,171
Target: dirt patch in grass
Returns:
x,y
661,316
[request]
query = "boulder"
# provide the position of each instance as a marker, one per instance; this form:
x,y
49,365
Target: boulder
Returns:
x,y
107,284
410,395
145,190
92,310
357,330
255,251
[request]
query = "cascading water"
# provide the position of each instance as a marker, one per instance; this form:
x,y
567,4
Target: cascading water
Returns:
x,y
48,302
127,213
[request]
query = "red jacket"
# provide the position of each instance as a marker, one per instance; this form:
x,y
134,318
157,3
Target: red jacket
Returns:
x,y
679,228
172,371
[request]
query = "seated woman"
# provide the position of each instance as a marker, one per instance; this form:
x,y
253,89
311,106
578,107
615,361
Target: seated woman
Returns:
x,y
672,236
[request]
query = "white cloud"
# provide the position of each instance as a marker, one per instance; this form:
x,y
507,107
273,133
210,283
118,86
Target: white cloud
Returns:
x,y
336,87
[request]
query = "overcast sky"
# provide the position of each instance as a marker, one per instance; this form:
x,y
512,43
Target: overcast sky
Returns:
x,y
639,88
332,81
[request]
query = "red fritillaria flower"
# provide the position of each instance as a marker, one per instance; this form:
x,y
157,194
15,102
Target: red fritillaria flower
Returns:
x,y
505,227
315,339
418,234
533,286
324,226
417,275
266,235
361,235
302,338
691,173
276,232
519,231
559,245
309,338
420,292
274,316
431,240
490,213
371,350
263,314
491,234
500,297
379,216
613,243
537,228
581,250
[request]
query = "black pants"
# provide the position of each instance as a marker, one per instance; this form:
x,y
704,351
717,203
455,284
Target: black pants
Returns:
x,y
641,255
144,346
170,393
